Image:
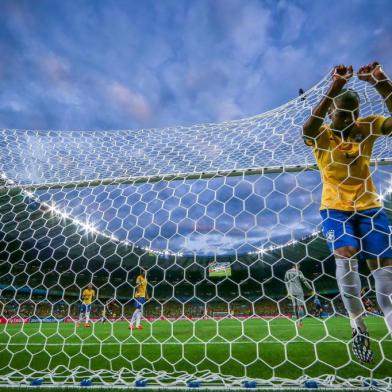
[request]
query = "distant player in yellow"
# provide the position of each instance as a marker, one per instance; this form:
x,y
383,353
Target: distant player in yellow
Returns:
x,y
88,295
354,221
140,297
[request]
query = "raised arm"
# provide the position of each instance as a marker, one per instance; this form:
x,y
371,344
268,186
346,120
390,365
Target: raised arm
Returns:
x,y
374,74
340,75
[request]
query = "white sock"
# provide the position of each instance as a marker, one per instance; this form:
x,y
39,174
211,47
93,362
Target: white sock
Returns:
x,y
349,283
87,317
81,316
383,281
134,316
138,318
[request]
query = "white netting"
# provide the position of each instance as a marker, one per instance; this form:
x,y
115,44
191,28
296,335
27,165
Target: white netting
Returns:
x,y
80,207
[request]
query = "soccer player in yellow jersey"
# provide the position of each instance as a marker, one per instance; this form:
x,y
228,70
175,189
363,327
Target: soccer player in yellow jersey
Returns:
x,y
88,295
354,222
140,296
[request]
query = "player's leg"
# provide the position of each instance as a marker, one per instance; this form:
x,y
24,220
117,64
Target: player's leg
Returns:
x,y
138,318
140,314
81,314
338,228
301,309
374,226
350,288
88,310
135,313
295,307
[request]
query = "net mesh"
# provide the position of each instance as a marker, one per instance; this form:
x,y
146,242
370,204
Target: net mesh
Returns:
x,y
93,207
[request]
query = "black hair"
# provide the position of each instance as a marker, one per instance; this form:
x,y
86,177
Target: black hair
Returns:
x,y
348,96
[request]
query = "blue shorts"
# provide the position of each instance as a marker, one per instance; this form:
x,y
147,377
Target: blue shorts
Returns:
x,y
85,308
139,302
367,230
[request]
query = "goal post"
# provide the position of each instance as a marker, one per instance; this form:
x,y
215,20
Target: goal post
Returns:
x,y
161,258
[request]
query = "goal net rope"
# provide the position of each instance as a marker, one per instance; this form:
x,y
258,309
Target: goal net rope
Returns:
x,y
81,208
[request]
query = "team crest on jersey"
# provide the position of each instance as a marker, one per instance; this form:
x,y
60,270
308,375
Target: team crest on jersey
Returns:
x,y
330,235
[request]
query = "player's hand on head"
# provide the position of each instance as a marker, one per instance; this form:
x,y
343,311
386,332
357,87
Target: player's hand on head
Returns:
x,y
341,74
371,73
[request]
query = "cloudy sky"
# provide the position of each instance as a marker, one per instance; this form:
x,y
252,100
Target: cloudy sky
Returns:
x,y
130,64
140,64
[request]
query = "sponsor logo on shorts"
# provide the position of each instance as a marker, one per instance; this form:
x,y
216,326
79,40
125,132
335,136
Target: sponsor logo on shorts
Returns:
x,y
330,235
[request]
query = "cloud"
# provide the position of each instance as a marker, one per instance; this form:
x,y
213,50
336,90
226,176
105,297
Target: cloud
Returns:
x,y
182,63
55,68
14,106
291,22
227,110
250,32
130,102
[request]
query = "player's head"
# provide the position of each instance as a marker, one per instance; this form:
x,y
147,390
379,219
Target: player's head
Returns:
x,y
142,272
90,286
344,111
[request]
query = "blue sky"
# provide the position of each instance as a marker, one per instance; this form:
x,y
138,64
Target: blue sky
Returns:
x,y
130,64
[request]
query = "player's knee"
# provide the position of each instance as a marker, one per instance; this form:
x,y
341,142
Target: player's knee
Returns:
x,y
346,252
349,290
374,264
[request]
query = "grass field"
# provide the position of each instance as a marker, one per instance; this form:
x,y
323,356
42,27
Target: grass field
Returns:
x,y
254,348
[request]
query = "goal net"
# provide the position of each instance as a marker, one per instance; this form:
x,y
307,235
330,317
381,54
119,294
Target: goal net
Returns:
x,y
213,216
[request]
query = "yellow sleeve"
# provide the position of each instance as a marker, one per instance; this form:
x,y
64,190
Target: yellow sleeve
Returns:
x,y
372,125
321,141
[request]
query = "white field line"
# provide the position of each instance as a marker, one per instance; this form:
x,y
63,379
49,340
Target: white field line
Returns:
x,y
43,345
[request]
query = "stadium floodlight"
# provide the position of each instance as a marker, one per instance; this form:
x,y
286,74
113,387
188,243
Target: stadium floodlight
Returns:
x,y
189,232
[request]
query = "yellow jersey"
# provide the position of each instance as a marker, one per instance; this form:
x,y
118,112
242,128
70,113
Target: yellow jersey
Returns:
x,y
87,296
141,287
345,165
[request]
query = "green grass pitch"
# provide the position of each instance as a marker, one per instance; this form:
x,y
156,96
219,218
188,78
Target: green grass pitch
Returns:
x,y
254,348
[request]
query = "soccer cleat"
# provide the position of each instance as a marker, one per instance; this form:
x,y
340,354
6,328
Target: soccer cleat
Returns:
x,y
300,324
361,346
87,325
139,327
131,327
